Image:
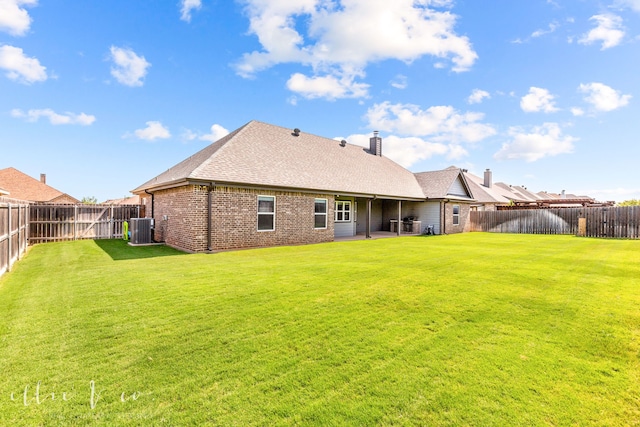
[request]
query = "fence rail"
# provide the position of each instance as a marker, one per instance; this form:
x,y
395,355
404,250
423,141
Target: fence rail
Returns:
x,y
616,222
14,232
55,223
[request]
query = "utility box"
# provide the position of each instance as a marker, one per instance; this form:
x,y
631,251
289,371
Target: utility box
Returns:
x,y
141,229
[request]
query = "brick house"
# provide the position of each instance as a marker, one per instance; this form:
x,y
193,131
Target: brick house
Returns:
x,y
23,187
448,200
264,185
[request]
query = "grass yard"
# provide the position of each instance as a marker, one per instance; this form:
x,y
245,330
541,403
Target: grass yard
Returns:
x,y
473,329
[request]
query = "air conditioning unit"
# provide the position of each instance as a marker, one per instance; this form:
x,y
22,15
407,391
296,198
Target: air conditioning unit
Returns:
x,y
141,230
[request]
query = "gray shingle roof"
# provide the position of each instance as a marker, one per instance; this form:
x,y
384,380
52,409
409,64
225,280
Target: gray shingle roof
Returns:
x,y
265,155
437,184
493,194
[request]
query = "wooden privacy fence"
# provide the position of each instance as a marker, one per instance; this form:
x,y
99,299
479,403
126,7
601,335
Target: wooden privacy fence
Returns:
x,y
14,232
618,222
54,223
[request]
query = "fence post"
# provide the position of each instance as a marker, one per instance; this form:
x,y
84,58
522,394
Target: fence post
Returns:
x,y
19,230
9,252
582,227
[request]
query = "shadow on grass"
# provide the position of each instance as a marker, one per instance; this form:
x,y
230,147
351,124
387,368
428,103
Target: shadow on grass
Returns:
x,y
119,250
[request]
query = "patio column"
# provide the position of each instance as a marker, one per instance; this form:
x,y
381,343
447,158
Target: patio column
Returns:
x,y
399,217
368,219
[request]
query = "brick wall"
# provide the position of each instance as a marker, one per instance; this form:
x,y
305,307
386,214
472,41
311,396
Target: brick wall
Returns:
x,y
463,225
235,219
181,218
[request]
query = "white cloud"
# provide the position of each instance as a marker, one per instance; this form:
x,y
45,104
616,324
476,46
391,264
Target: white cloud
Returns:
x,y
404,151
14,19
186,6
154,130
576,111
216,132
20,67
55,118
342,39
609,31
542,141
400,82
539,33
537,100
633,4
329,87
603,97
477,96
129,68
439,123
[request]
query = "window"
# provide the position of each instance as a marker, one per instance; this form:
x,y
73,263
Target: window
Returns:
x,y
456,214
343,212
266,213
320,213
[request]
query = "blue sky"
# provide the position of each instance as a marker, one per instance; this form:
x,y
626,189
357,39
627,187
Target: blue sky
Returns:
x,y
102,96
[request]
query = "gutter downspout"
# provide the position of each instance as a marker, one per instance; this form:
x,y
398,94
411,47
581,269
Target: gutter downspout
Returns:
x,y
209,214
153,230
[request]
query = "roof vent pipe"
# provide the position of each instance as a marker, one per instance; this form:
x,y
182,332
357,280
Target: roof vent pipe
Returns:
x,y
487,178
343,143
296,132
375,144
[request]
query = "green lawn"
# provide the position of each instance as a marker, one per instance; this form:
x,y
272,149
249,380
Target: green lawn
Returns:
x,y
473,329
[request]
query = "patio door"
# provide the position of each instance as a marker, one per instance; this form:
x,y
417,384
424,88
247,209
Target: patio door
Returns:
x,y
344,217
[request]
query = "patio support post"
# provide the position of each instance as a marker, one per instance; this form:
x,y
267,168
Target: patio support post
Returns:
x,y
368,219
399,218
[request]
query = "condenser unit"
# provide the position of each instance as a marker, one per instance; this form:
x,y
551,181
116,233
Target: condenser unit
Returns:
x,y
141,230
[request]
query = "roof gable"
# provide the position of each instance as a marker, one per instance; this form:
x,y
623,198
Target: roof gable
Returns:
x,y
444,184
260,154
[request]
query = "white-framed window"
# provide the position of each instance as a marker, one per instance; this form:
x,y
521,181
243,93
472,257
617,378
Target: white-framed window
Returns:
x,y
343,211
456,214
320,213
266,213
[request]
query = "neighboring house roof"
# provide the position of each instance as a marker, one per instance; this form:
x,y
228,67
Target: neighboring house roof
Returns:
x,y
23,187
3,192
448,183
133,200
517,194
264,155
484,194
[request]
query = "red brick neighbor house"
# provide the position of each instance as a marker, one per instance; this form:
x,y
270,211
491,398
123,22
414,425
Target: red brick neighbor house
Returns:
x,y
23,187
132,200
264,185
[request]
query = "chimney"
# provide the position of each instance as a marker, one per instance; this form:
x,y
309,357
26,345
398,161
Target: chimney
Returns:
x,y
487,178
375,144
563,195
43,178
